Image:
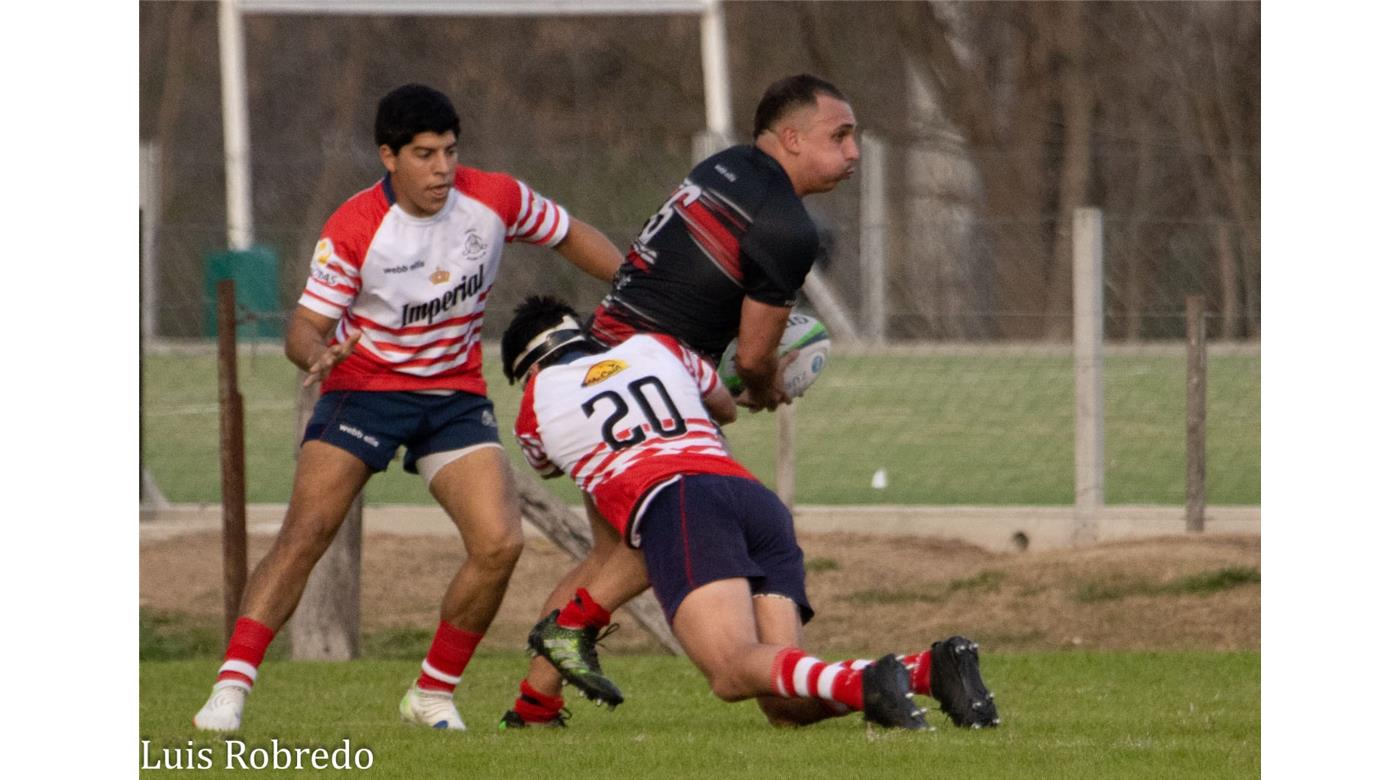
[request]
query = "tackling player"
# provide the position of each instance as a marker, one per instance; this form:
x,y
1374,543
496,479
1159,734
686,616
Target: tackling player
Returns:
x,y
390,323
636,427
724,256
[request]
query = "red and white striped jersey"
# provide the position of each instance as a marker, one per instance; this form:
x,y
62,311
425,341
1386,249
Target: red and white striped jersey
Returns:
x,y
416,287
623,423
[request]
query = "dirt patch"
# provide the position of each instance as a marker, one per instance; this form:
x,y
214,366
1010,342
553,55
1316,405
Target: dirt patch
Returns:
x,y
871,593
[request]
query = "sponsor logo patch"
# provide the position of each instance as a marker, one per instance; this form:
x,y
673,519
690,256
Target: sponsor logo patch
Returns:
x,y
600,371
463,291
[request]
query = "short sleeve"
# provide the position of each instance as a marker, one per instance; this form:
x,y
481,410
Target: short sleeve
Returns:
x,y
778,251
527,435
334,280
539,220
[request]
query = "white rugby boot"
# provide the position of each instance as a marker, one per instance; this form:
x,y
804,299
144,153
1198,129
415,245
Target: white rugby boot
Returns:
x,y
431,708
224,710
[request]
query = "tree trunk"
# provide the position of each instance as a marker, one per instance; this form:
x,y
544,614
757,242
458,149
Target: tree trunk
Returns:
x,y
1078,102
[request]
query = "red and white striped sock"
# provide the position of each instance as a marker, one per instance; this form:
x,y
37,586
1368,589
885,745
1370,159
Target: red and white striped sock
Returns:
x,y
448,655
535,707
582,611
798,675
918,665
246,649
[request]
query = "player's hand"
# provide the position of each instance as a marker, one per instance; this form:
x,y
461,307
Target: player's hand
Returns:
x,y
775,395
331,357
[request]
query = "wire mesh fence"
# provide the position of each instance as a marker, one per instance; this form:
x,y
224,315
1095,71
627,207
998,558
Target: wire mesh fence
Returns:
x,y
968,400
998,119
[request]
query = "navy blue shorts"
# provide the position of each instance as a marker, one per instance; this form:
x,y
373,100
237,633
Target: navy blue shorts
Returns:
x,y
705,527
372,425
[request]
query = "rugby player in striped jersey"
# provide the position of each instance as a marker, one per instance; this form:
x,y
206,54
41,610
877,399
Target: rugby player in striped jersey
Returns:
x,y
390,324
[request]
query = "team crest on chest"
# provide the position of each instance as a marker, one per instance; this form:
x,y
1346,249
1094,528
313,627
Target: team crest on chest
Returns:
x,y
600,371
440,276
474,247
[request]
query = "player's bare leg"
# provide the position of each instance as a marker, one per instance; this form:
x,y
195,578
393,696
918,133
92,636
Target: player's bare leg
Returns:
x,y
474,489
476,492
326,481
542,676
541,698
780,623
564,639
717,626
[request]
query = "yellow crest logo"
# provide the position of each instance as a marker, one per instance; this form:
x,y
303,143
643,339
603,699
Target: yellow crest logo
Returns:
x,y
323,251
600,371
440,276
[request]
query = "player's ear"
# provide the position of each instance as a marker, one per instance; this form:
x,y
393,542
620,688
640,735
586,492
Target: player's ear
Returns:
x,y
390,160
791,138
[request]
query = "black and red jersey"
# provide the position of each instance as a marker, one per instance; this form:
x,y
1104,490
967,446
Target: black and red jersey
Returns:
x,y
735,228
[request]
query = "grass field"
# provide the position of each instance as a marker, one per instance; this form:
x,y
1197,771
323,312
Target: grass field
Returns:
x,y
1076,714
992,429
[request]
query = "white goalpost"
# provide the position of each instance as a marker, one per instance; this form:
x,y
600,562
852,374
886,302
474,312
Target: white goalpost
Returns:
x,y
233,67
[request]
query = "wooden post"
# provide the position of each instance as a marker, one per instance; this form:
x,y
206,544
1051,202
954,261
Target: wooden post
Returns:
x,y
232,477
1195,413
786,466
874,228
1088,373
326,625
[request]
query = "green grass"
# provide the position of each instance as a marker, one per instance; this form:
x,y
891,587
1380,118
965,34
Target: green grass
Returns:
x,y
814,565
1066,714
995,429
1202,584
929,593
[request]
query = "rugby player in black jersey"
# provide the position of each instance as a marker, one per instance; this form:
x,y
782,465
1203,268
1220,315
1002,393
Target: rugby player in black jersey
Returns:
x,y
728,251
724,256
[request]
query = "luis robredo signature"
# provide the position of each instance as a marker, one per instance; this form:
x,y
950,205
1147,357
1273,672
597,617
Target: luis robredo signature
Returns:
x,y
237,754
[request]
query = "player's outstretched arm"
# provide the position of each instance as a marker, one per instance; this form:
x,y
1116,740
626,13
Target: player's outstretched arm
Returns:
x,y
756,359
586,247
306,346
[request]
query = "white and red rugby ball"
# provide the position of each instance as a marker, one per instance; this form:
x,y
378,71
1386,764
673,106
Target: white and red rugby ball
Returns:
x,y
806,336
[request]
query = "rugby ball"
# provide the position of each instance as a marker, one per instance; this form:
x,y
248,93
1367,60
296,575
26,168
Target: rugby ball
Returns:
x,y
806,336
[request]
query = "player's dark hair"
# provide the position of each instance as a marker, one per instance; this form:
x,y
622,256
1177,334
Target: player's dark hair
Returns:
x,y
537,314
412,109
787,94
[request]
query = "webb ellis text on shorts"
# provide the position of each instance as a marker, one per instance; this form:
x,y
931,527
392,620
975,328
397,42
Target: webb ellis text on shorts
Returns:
x,y
237,754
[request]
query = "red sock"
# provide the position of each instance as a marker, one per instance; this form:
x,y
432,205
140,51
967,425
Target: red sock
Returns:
x,y
920,666
535,707
796,674
917,663
452,648
246,649
582,611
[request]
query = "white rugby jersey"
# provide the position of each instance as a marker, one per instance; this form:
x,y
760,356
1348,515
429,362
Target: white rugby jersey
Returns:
x,y
416,287
623,423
